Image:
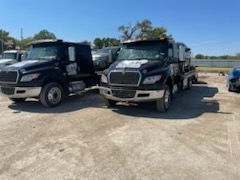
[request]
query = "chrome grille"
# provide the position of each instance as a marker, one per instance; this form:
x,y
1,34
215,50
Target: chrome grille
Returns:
x,y
8,76
125,78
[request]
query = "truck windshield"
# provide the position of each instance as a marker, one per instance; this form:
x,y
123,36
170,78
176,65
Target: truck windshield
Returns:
x,y
139,51
43,53
9,56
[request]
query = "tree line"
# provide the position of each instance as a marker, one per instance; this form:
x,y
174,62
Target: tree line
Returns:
x,y
201,56
141,29
8,42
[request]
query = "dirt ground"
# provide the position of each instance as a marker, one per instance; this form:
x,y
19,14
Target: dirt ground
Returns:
x,y
82,139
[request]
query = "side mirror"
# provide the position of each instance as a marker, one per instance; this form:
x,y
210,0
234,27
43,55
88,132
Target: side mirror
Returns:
x,y
71,53
170,52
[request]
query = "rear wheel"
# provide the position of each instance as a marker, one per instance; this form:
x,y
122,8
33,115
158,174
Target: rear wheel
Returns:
x,y
17,100
163,104
230,87
189,85
195,80
51,95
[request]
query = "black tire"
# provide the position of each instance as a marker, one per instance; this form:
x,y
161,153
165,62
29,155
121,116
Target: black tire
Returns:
x,y
51,95
195,80
110,103
189,85
163,104
18,100
230,88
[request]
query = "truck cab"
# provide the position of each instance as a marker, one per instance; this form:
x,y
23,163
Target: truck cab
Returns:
x,y
52,70
11,57
148,70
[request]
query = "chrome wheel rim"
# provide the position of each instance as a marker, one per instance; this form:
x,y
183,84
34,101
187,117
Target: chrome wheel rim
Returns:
x,y
54,95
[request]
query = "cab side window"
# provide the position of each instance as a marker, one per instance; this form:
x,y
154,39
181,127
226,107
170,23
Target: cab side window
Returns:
x,y
72,53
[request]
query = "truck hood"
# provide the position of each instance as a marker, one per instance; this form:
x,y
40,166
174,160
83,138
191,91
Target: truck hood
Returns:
x,y
29,65
4,62
137,64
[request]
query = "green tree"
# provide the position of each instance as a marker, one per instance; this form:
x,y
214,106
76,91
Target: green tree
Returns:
x,y
158,32
44,34
199,56
25,43
142,29
98,43
105,42
6,41
128,31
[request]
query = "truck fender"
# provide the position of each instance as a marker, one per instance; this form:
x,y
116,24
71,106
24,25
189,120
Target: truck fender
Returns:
x,y
58,78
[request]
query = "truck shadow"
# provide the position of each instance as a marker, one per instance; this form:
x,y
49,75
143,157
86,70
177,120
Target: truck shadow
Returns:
x,y
70,104
186,105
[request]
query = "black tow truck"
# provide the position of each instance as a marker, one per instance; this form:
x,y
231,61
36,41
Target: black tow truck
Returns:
x,y
52,70
148,70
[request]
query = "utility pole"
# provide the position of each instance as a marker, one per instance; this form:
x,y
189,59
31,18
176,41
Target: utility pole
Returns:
x,y
2,40
21,39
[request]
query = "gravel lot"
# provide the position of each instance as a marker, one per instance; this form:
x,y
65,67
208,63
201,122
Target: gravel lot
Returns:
x,y
197,139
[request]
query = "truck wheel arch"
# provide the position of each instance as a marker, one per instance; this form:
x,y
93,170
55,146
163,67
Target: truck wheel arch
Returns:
x,y
61,82
170,83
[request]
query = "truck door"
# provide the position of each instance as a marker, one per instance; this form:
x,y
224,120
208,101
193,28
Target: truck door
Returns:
x,y
84,59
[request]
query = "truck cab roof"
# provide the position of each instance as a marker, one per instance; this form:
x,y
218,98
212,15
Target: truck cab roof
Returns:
x,y
55,41
155,40
147,40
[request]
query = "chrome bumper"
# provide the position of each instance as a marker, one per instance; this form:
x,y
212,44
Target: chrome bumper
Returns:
x,y
20,92
140,96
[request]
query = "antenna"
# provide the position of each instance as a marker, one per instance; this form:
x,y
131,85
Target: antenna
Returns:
x,y
21,34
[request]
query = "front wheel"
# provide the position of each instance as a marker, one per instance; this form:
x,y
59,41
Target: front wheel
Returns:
x,y
51,95
163,104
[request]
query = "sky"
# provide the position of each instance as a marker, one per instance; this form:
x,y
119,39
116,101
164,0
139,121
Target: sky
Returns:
x,y
209,27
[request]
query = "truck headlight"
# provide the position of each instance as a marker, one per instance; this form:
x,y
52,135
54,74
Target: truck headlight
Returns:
x,y
104,79
152,79
30,77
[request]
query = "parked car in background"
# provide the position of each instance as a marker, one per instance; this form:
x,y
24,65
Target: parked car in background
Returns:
x,y
11,57
233,80
103,58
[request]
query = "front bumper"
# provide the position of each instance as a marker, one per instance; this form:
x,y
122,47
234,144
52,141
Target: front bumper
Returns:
x,y
140,95
20,92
